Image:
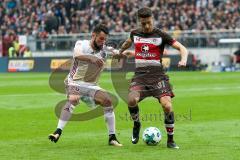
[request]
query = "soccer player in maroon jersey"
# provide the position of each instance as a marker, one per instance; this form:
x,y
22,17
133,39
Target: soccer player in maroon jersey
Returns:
x,y
150,78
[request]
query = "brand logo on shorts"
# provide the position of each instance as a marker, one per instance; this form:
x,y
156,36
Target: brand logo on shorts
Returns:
x,y
133,83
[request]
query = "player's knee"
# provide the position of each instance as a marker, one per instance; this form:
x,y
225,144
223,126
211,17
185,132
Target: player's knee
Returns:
x,y
167,106
133,98
166,103
132,101
107,102
74,100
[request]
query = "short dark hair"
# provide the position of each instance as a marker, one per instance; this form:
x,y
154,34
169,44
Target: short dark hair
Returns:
x,y
144,12
101,28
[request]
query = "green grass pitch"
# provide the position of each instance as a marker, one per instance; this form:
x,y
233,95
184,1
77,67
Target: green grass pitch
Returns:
x,y
207,109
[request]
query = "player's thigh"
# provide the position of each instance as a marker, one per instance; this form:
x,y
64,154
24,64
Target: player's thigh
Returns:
x,y
94,92
103,98
137,91
162,90
76,91
83,89
73,94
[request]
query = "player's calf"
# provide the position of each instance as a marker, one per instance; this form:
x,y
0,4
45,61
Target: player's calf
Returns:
x,y
169,120
109,117
169,124
134,112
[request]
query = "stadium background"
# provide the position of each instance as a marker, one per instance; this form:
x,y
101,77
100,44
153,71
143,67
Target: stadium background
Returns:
x,y
207,96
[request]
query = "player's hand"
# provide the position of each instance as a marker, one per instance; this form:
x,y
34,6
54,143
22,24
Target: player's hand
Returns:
x,y
112,50
99,62
182,63
115,52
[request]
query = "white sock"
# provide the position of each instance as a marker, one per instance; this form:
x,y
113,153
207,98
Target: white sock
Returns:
x,y
109,119
66,114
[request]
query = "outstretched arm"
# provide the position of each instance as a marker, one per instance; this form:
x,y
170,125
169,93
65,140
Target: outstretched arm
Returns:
x,y
124,54
91,59
78,53
125,45
183,52
129,53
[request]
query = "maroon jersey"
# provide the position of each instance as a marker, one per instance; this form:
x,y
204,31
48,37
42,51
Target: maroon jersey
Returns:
x,y
237,54
149,49
150,78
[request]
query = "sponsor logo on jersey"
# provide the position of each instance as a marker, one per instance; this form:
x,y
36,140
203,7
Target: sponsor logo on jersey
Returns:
x,y
144,55
145,48
155,41
145,52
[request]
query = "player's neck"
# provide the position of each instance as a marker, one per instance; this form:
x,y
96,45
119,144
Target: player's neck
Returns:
x,y
93,46
149,32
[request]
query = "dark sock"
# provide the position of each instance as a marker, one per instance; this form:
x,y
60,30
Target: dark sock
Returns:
x,y
112,136
169,124
58,131
134,112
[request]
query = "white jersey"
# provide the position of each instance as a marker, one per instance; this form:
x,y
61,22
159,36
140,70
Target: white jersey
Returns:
x,y
84,72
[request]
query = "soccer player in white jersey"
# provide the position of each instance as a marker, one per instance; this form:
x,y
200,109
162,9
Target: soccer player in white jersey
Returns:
x,y
88,62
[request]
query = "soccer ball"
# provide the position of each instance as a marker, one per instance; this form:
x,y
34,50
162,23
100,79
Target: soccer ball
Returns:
x,y
152,136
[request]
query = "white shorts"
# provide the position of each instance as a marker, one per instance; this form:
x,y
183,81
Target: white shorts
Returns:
x,y
82,88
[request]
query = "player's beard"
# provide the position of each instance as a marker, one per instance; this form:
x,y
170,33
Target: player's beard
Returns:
x,y
97,47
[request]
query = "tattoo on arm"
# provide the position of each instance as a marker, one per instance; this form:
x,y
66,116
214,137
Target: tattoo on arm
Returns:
x,y
125,45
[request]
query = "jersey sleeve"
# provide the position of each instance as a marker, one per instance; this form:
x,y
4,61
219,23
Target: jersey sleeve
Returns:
x,y
237,53
168,39
78,49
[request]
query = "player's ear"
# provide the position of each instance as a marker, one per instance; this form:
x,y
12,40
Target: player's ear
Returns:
x,y
94,35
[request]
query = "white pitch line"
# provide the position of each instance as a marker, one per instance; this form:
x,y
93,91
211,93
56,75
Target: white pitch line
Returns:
x,y
207,89
31,94
177,90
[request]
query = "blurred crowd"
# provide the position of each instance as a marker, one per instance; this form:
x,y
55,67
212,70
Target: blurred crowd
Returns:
x,y
43,17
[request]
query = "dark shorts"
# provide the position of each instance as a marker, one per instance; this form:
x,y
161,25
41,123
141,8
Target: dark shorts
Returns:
x,y
155,86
